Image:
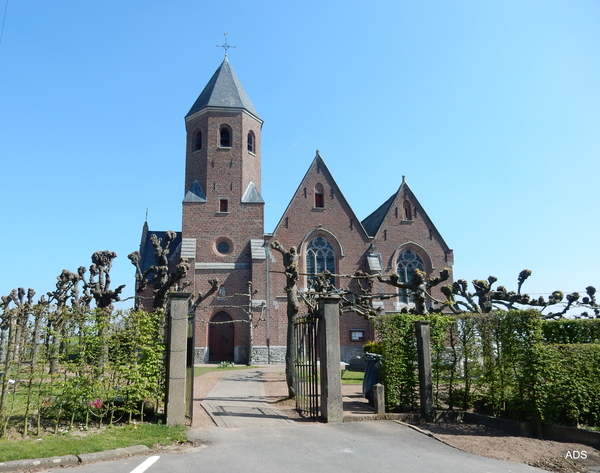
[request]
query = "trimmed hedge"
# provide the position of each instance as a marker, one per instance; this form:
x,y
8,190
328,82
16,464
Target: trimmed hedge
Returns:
x,y
567,384
396,333
503,364
567,331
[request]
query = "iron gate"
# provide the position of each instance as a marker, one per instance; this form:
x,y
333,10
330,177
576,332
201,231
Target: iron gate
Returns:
x,y
189,370
307,366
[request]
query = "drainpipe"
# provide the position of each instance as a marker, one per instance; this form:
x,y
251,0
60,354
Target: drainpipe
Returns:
x,y
268,297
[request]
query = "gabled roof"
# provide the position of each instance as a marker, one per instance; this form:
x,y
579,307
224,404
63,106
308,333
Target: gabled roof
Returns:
x,y
319,163
373,222
224,90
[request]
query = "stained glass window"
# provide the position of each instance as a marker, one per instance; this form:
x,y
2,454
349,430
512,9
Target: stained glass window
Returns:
x,y
320,256
408,262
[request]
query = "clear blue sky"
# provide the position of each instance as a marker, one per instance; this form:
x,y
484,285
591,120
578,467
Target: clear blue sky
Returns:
x,y
491,110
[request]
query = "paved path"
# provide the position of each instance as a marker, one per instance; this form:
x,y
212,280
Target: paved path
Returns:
x,y
354,447
238,400
271,443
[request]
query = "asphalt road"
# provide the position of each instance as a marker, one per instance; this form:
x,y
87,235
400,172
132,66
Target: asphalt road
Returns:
x,y
360,447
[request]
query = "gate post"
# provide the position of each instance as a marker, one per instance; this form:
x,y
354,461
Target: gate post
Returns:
x,y
332,409
425,378
177,341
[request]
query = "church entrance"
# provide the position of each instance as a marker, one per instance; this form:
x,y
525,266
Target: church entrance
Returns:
x,y
220,338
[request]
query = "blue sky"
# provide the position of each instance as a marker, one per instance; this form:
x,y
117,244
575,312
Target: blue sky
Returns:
x,y
491,110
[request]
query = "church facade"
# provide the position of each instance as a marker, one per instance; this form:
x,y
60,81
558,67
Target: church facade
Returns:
x,y
223,235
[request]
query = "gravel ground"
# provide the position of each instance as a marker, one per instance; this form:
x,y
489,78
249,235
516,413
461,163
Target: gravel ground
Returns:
x,y
480,440
488,442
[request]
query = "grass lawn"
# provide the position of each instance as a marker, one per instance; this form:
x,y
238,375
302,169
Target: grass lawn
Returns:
x,y
200,370
348,377
108,439
352,377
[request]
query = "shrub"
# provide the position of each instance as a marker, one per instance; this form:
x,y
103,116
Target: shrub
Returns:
x,y
567,384
502,363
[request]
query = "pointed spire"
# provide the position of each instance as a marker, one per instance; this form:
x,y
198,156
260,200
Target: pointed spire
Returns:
x,y
224,90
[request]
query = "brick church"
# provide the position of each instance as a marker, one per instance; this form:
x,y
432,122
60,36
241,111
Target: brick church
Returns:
x,y
223,234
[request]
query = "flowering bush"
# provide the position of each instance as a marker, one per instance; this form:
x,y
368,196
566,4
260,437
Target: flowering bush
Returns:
x,y
96,403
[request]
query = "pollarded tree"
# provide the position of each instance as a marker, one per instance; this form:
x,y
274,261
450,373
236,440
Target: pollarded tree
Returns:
x,y
163,280
72,299
290,263
484,298
99,281
419,286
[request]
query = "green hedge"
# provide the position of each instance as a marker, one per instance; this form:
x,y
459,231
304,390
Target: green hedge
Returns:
x,y
571,331
503,364
396,333
567,384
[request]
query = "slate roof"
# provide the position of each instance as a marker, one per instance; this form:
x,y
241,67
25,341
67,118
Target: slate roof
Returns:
x,y
195,194
224,90
147,250
257,248
372,223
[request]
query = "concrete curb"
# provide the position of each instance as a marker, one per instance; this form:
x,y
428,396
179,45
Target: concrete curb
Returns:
x,y
427,433
72,460
112,454
40,463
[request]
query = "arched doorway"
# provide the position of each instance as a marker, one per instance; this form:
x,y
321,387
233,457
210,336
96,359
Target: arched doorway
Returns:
x,y
220,338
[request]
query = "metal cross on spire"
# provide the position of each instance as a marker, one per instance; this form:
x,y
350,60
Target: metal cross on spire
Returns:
x,y
225,46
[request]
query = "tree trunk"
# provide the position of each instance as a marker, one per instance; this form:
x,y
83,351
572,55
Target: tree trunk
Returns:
x,y
292,340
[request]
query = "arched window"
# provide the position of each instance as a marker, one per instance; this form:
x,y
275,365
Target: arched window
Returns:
x,y
224,137
407,210
198,141
408,262
251,141
320,256
319,197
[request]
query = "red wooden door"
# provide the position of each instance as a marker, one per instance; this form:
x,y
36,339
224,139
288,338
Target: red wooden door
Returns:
x,y
220,338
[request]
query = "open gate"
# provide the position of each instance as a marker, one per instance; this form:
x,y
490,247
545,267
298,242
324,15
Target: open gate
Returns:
x,y
307,366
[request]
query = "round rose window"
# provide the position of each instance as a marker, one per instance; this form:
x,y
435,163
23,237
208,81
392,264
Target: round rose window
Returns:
x,y
223,246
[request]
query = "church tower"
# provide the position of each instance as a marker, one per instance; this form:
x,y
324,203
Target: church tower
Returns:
x,y
223,236
222,209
